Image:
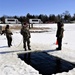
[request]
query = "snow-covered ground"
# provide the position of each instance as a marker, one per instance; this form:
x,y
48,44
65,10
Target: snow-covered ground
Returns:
x,y
10,64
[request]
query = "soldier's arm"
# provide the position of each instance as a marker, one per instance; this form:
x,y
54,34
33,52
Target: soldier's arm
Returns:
x,y
29,34
61,32
3,32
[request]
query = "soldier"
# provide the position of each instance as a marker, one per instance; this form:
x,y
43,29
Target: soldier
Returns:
x,y
59,34
26,36
8,34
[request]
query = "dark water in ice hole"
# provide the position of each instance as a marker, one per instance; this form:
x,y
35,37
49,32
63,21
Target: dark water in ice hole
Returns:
x,y
46,64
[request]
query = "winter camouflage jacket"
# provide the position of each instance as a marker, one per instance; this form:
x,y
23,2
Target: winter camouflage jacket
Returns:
x,y
7,32
25,33
60,31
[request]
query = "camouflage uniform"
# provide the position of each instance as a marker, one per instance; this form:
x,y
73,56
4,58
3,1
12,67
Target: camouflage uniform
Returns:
x,y
26,37
8,34
59,34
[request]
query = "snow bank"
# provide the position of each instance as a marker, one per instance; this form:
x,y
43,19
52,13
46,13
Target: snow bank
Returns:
x,y
10,64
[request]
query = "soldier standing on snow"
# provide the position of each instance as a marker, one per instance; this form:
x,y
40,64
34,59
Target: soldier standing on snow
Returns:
x,y
26,36
59,34
8,34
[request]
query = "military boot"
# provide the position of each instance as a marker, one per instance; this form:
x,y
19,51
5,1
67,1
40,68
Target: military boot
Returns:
x,y
29,48
25,49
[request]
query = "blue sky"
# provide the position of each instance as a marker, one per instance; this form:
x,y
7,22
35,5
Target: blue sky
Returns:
x,y
36,7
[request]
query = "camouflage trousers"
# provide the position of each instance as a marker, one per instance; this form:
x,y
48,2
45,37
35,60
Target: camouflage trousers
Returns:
x,y
9,41
26,43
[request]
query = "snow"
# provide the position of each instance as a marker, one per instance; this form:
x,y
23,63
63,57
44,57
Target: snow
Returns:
x,y
10,64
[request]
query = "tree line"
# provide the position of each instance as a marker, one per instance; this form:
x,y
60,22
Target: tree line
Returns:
x,y
65,17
